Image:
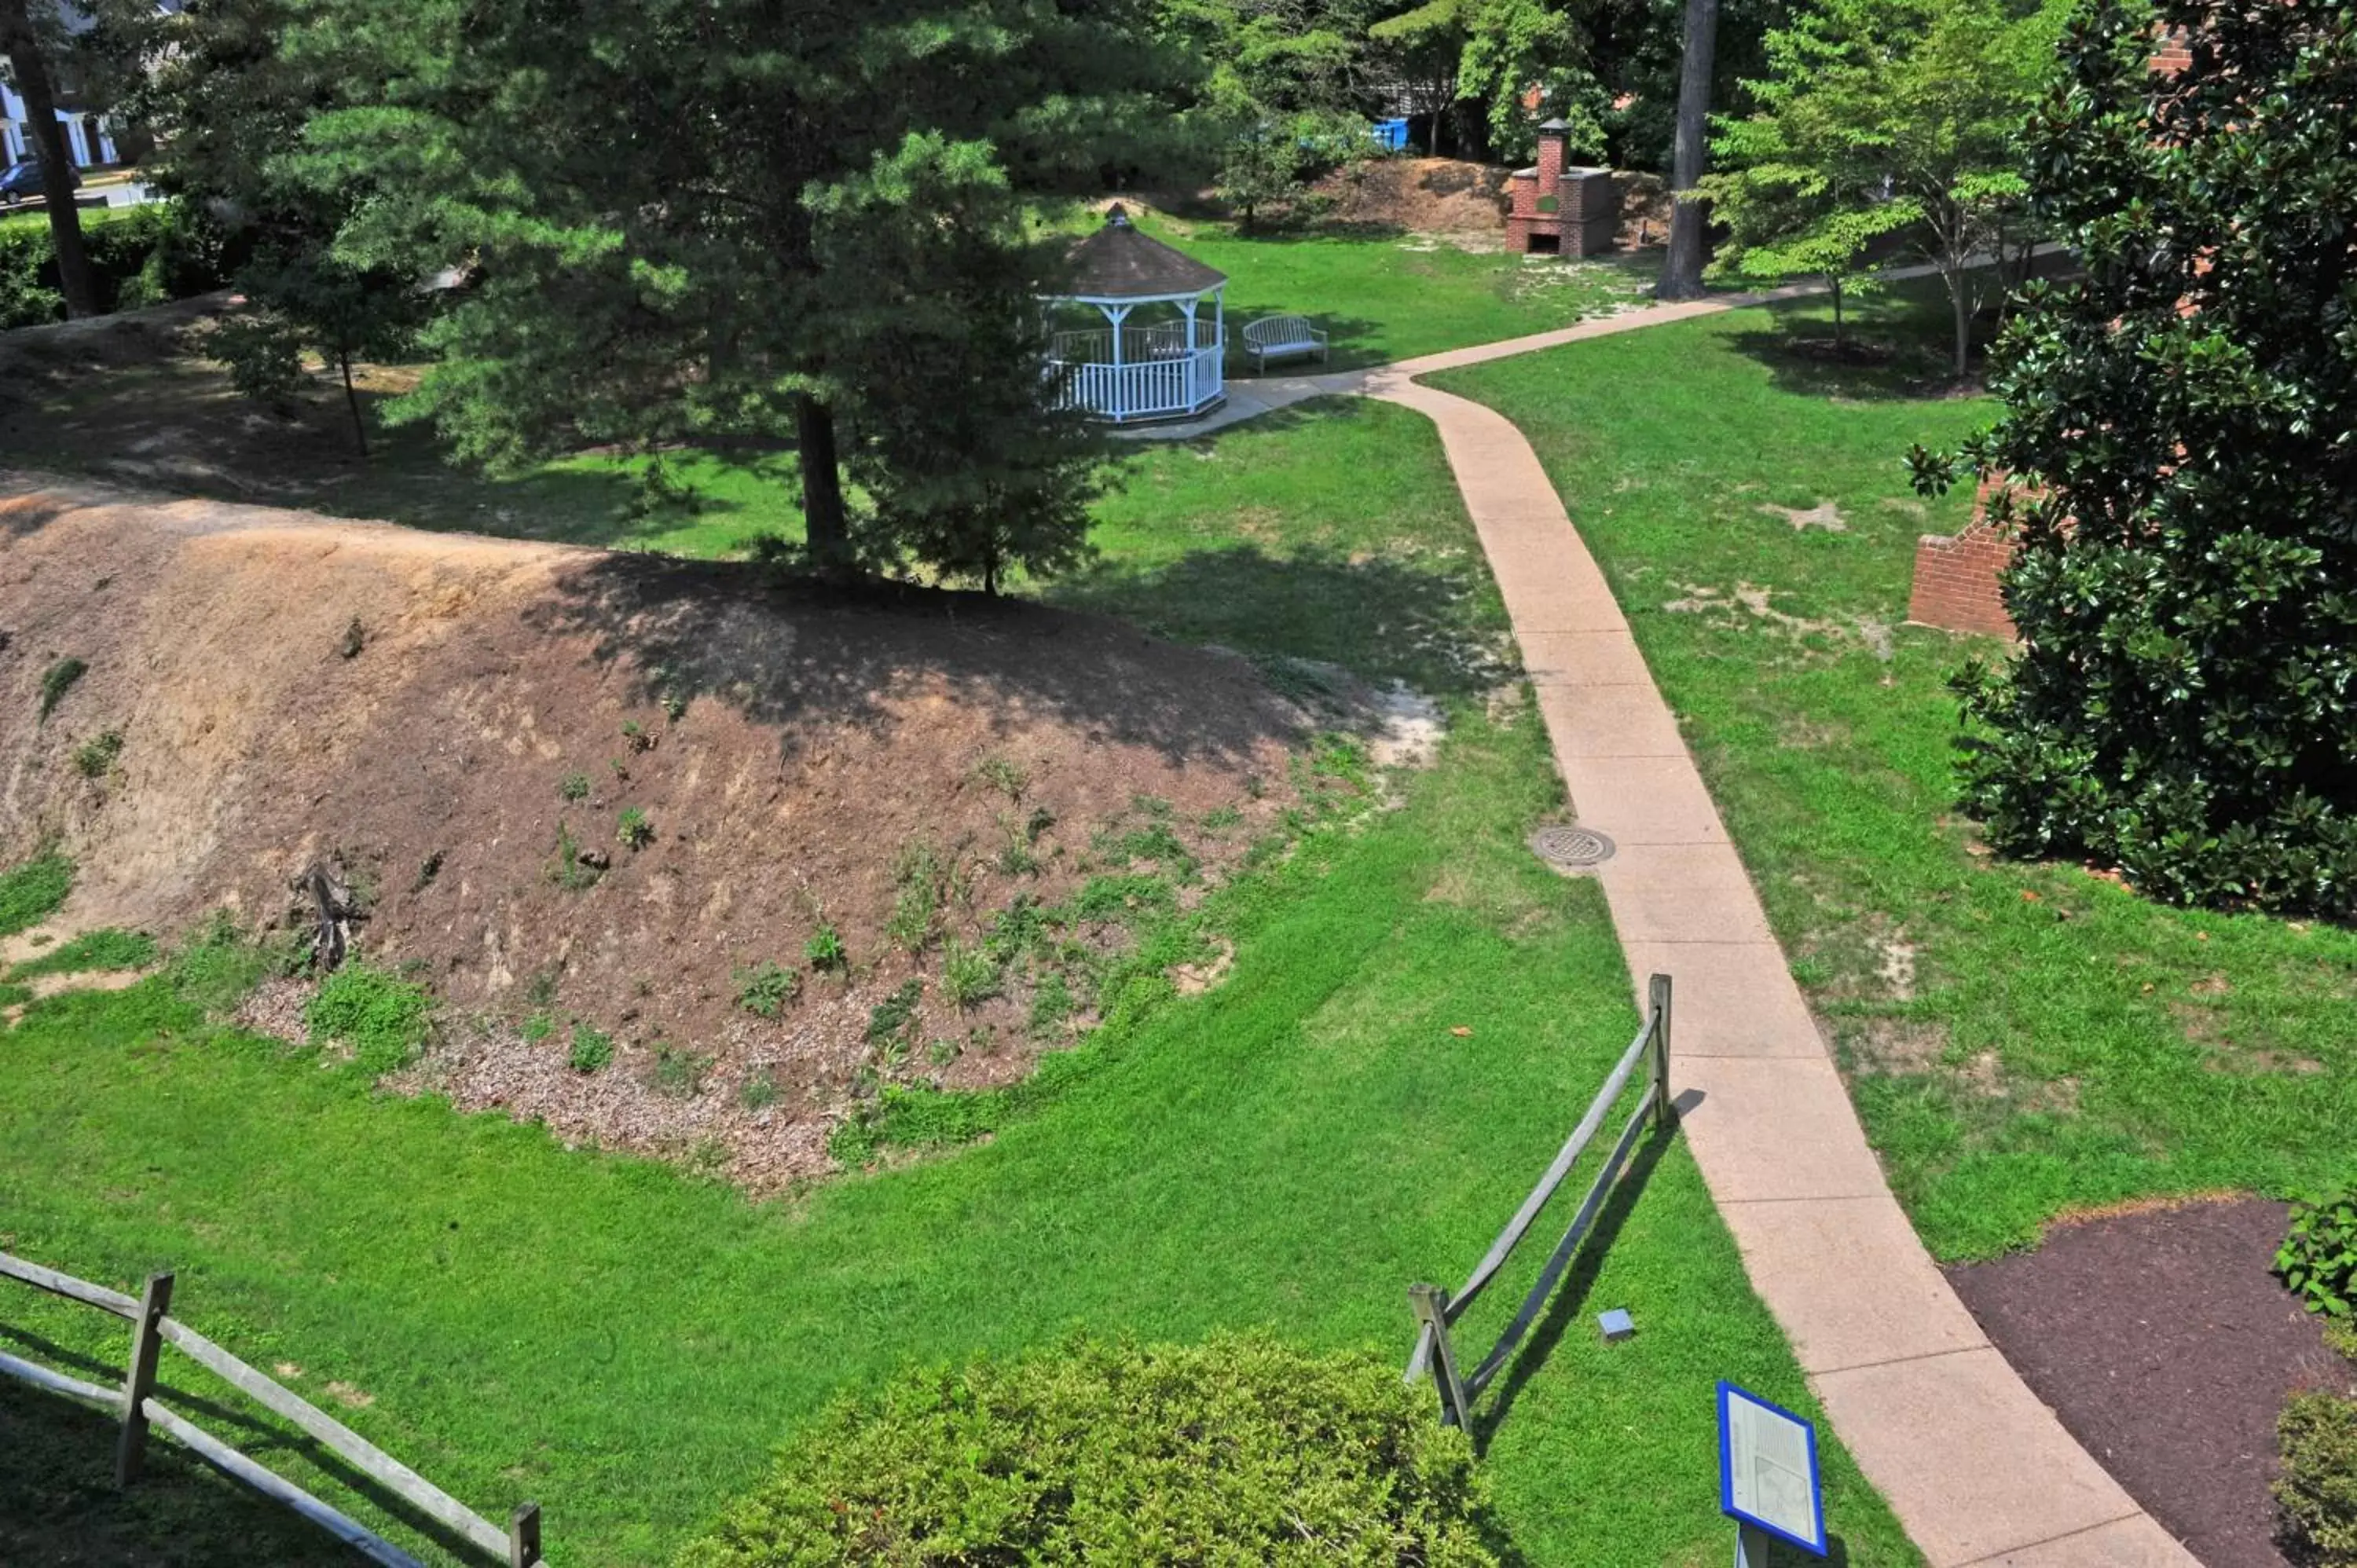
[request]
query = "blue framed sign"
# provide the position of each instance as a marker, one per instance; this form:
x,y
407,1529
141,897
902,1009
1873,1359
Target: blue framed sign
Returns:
x,y
1768,1470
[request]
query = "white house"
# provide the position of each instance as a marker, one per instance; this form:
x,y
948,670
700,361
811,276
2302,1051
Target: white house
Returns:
x,y
88,138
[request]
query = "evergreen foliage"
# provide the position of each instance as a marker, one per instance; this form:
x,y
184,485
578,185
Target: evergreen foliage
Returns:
x,y
1241,1450
2181,431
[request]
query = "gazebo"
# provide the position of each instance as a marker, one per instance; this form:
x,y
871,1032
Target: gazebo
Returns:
x,y
1154,355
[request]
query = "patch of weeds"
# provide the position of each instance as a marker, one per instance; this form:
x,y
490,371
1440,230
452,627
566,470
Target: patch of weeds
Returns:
x,y
94,758
1158,844
892,1054
1002,776
14,995
620,769
32,892
355,638
591,1049
427,870
538,1028
1119,898
1051,1005
569,868
1221,818
759,1090
969,975
674,706
108,950
1015,929
890,1016
633,830
635,735
573,786
1255,787
541,989
916,875
825,950
1153,807
679,1072
215,965
57,681
766,988
942,1052
1015,857
381,1018
1040,819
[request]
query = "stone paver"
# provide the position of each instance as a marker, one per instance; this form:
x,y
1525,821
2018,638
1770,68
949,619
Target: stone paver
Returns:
x,y
1978,1470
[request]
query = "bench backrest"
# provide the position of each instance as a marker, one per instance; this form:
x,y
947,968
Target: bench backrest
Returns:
x,y
1280,330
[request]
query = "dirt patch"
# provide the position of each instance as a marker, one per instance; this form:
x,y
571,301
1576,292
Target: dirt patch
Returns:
x,y
1824,515
469,758
2168,1349
1424,196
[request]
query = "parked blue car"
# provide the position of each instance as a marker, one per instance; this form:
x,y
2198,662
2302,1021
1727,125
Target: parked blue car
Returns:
x,y
22,182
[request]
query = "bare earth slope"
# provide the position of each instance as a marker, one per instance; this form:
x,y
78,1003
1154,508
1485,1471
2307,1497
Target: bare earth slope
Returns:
x,y
289,687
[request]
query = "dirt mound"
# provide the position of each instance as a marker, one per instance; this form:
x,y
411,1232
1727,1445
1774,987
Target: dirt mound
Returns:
x,y
1425,195
460,723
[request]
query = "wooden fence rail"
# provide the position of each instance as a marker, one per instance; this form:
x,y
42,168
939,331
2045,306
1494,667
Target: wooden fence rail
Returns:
x,y
135,1405
1436,1309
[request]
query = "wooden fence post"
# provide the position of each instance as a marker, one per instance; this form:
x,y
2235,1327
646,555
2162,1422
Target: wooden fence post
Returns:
x,y
523,1537
1431,1304
139,1379
1665,1112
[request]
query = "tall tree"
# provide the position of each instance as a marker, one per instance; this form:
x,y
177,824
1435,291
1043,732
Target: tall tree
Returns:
x,y
686,219
1681,268
1881,115
23,26
2178,425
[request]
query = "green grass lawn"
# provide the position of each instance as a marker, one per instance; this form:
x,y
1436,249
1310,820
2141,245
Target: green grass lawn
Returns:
x,y
2023,1039
1392,296
1290,1150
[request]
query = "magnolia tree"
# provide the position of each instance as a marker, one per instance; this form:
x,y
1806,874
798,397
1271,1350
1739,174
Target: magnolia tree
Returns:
x,y
2180,433
1879,117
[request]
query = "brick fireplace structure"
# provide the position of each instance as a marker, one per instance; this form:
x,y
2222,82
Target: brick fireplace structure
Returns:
x,y
1561,212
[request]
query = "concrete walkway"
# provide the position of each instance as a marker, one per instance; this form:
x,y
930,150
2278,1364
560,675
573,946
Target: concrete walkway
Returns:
x,y
1978,1469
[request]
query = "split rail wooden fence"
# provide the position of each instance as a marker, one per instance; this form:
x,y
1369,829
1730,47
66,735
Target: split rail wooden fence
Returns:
x,y
1436,1309
139,1410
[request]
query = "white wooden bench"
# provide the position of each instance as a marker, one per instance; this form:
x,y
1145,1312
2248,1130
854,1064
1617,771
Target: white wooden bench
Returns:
x,y
1281,338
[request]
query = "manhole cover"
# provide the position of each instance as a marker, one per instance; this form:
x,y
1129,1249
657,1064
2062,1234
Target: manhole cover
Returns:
x,y
1571,847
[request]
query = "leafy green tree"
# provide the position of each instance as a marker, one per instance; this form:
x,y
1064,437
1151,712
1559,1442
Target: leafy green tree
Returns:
x,y
2179,438
690,218
32,34
1283,92
1881,115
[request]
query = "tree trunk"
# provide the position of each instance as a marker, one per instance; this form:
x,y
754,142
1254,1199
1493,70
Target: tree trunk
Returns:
x,y
1835,284
1956,301
1681,270
17,41
352,401
824,525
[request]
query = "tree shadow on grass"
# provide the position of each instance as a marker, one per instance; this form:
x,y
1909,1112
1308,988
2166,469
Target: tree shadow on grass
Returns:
x,y
1427,625
58,1504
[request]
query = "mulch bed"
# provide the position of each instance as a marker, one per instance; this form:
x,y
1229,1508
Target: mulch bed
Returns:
x,y
2167,1349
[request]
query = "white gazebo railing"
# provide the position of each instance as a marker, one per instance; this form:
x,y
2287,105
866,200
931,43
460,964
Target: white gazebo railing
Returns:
x,y
1151,389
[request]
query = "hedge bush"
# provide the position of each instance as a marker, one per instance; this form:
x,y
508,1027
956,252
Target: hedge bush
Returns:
x,y
142,255
2317,1487
2185,701
2318,1257
1239,1451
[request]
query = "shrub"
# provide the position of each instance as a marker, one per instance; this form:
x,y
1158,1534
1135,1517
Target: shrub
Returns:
x,y
141,255
591,1050
1241,1450
2318,1257
2185,701
93,758
57,681
825,950
2318,1484
377,1015
32,892
634,830
573,786
767,987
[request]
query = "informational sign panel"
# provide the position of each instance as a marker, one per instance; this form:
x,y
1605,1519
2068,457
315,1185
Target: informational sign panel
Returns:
x,y
1768,1469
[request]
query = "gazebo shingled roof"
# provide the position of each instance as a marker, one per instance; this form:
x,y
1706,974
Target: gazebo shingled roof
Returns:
x,y
1119,262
